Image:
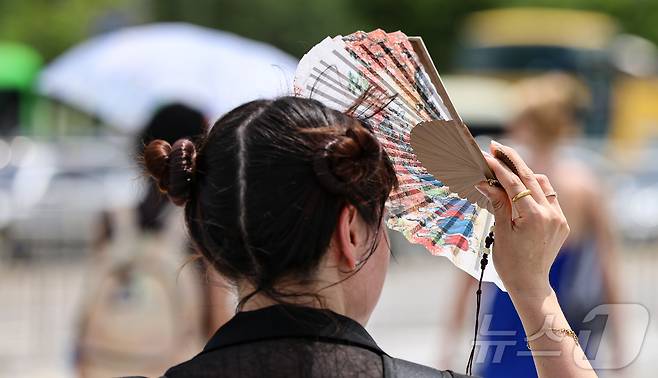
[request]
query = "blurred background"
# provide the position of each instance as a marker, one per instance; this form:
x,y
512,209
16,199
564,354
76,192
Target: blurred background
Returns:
x,y
81,81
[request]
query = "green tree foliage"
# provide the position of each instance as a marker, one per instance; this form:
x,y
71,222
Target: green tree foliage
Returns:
x,y
293,25
296,25
51,26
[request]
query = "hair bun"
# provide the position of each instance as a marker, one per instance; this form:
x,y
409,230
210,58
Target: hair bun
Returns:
x,y
348,160
173,167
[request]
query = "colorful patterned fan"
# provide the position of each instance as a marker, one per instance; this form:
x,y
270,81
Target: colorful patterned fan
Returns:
x,y
393,72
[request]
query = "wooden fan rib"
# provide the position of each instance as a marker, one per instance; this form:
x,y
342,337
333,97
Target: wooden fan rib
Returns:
x,y
406,154
396,209
478,198
439,149
321,94
447,165
327,82
473,148
425,187
381,54
406,165
466,189
459,177
462,185
408,60
424,81
476,153
378,55
428,138
432,76
344,98
376,77
441,130
443,160
440,156
397,155
436,133
402,116
328,70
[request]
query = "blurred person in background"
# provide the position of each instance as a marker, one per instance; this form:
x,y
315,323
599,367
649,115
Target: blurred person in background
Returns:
x,y
171,123
584,272
147,285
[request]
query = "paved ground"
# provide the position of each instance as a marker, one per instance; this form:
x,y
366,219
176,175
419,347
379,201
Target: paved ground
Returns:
x,y
38,303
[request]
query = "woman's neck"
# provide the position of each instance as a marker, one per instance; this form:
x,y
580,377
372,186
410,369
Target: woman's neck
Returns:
x,y
320,295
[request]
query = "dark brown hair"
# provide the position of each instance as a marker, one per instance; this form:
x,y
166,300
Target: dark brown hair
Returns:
x,y
170,123
264,189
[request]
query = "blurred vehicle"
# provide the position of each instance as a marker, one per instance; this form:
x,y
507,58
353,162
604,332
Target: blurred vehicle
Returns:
x,y
618,70
52,191
500,47
19,66
482,102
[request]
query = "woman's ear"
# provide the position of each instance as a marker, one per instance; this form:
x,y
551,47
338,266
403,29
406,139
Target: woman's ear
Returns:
x,y
348,237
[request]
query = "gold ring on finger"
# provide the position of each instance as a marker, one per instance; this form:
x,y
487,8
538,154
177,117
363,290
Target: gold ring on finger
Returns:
x,y
524,193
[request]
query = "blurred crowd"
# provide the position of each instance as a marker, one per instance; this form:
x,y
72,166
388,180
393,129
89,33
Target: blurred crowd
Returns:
x,y
575,94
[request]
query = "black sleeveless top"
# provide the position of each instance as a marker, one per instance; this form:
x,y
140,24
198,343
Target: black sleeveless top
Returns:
x,y
291,341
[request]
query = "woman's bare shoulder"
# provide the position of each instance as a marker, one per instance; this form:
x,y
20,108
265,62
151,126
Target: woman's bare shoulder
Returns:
x,y
576,175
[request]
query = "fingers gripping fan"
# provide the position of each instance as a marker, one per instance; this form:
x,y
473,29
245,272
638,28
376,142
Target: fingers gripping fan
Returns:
x,y
435,157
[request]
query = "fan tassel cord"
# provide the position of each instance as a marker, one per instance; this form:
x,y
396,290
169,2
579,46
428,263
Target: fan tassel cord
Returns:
x,y
488,244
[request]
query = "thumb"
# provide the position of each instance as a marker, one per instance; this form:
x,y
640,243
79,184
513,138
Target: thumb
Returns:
x,y
498,198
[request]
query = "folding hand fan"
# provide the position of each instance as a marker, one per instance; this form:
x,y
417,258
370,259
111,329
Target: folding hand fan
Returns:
x,y
436,158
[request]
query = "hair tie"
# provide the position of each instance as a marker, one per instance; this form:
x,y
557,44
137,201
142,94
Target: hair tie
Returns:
x,y
173,167
182,171
324,174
